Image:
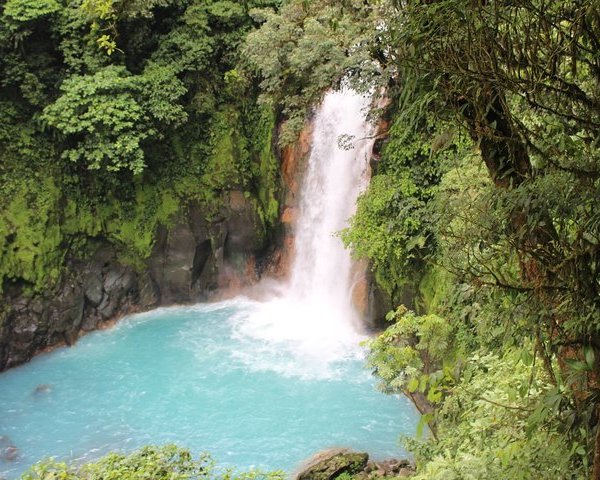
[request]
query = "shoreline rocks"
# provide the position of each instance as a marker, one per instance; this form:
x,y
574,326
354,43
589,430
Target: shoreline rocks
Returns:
x,y
334,463
330,464
8,452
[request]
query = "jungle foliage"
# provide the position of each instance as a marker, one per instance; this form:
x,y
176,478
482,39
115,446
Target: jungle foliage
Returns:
x,y
158,463
113,116
486,199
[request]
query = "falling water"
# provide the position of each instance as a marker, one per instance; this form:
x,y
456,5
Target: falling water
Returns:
x,y
322,270
314,315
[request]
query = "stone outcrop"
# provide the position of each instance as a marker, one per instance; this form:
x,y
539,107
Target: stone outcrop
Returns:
x,y
370,300
189,261
332,463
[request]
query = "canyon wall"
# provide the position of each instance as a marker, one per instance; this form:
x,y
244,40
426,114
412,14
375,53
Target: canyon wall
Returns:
x,y
189,262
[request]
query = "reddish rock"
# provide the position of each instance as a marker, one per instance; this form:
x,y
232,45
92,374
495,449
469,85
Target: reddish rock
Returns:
x,y
289,216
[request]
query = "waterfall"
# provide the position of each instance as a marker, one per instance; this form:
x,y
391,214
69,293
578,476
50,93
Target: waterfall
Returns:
x,y
335,176
314,317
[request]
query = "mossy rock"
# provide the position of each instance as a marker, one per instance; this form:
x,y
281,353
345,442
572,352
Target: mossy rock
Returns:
x,y
330,464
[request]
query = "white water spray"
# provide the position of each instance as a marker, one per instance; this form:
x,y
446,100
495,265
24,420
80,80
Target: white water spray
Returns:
x,y
335,176
314,319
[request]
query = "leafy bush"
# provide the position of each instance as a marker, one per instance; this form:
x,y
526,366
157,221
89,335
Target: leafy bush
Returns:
x,y
27,10
156,463
486,427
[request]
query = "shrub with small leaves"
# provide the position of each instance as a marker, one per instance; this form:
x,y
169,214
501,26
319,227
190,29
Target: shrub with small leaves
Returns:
x,y
157,463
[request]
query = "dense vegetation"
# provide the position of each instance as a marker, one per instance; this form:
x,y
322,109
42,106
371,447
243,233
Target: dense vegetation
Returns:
x,y
114,115
485,199
158,463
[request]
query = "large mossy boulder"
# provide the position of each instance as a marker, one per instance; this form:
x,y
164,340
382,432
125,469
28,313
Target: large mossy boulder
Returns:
x,y
330,464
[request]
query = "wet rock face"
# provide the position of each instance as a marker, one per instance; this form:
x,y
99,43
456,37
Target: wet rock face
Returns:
x,y
369,299
185,265
294,159
171,263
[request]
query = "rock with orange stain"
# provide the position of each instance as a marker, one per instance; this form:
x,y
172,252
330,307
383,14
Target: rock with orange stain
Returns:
x,y
293,164
289,216
360,296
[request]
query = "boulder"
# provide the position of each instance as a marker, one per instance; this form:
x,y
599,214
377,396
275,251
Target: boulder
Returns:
x,y
9,454
42,388
407,471
329,464
92,287
391,468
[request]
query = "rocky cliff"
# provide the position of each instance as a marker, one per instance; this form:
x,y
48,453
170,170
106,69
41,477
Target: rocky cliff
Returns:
x,y
189,261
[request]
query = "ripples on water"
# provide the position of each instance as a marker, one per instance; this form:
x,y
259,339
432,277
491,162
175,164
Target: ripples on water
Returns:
x,y
213,378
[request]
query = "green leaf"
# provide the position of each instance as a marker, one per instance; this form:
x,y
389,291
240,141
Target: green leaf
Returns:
x,y
590,357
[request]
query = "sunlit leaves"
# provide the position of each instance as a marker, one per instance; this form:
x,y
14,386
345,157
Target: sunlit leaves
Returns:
x,y
484,426
409,356
107,116
28,10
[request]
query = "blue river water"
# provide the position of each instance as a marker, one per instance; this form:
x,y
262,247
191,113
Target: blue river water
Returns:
x,y
197,377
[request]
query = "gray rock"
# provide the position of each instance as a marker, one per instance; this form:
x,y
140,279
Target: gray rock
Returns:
x,y
25,328
108,307
92,288
9,453
179,261
329,464
113,280
243,227
42,388
379,304
406,472
149,295
91,322
119,283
